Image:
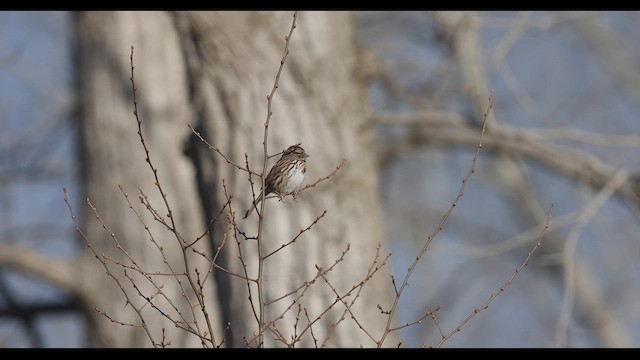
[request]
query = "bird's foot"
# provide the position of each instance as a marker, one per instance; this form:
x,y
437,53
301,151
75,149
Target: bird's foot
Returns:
x,y
280,196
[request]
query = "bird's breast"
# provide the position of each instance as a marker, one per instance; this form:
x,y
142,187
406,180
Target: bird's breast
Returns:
x,y
296,179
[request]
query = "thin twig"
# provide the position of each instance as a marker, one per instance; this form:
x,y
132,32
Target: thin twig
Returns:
x,y
304,287
108,271
333,173
372,270
174,229
162,253
340,298
504,285
436,322
313,336
100,312
297,236
211,147
429,313
440,227
232,221
211,222
262,178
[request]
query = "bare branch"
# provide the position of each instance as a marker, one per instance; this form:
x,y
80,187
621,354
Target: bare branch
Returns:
x,y
261,321
211,147
440,227
430,313
104,264
504,285
370,272
297,236
57,272
333,173
568,254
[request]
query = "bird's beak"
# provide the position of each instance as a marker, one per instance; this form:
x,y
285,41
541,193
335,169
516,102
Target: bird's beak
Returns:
x,y
306,155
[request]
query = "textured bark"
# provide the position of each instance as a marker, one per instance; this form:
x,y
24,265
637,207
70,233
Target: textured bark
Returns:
x,y
320,103
214,70
112,155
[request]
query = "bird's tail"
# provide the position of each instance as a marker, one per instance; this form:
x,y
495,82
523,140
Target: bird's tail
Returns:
x,y
253,206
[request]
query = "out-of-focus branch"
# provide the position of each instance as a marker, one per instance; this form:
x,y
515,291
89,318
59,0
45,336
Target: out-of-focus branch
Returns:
x,y
468,54
611,332
427,130
585,137
614,54
569,255
463,27
433,129
517,29
62,274
516,241
31,311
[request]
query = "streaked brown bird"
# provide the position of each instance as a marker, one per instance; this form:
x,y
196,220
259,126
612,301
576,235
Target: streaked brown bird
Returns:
x,y
285,175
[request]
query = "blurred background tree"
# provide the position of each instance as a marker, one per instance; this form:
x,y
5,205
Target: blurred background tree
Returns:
x,y
561,130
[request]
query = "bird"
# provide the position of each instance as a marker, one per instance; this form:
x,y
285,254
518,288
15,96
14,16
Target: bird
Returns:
x,y
285,175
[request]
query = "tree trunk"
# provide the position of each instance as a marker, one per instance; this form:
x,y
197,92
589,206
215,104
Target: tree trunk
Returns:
x,y
112,155
214,70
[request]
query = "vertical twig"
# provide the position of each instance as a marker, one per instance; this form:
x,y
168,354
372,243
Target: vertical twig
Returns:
x,y
263,177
